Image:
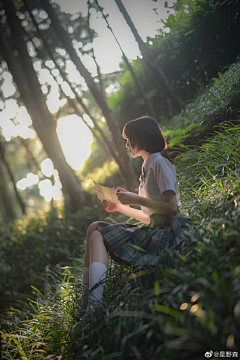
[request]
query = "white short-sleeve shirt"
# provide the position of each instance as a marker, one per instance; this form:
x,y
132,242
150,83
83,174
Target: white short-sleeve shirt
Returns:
x,y
160,175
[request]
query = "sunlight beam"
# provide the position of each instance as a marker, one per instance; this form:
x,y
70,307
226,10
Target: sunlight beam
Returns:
x,y
75,139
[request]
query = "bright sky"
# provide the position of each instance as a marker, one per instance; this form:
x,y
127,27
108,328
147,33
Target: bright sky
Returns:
x,y
146,20
73,134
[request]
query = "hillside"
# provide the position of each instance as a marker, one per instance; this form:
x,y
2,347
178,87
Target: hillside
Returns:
x,y
179,310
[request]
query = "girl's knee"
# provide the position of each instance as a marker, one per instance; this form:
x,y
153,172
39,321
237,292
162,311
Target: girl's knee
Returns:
x,y
92,227
96,235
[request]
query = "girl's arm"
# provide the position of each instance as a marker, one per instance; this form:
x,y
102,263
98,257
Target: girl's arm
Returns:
x,y
134,213
166,207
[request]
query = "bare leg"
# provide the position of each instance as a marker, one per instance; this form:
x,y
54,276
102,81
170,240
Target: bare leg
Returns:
x,y
84,300
91,229
98,251
98,268
97,255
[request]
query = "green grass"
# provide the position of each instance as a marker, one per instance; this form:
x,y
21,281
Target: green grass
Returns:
x,y
212,173
178,310
31,246
216,104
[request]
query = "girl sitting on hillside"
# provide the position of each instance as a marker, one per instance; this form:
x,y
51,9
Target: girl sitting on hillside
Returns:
x,y
159,199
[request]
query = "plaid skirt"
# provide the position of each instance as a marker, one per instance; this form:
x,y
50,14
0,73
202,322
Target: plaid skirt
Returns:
x,y
143,245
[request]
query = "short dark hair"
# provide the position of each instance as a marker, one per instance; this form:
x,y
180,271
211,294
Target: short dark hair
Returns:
x,y
146,134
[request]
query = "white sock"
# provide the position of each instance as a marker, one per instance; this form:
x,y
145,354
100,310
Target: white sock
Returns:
x,y
97,273
85,286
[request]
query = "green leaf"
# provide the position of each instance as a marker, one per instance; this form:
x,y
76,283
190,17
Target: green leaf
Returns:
x,y
138,248
168,311
3,335
156,288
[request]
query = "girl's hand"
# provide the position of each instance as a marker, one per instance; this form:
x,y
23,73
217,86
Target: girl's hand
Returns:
x,y
128,198
110,206
119,189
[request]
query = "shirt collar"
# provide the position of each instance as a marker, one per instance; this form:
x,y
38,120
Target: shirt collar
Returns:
x,y
150,159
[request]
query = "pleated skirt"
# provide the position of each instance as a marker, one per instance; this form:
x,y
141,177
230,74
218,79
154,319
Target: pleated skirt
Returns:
x,y
146,244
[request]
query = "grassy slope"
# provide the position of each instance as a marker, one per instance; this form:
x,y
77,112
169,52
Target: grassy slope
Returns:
x,y
188,305
219,102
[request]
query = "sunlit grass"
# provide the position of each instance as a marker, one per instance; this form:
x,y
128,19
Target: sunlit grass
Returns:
x,y
212,173
217,103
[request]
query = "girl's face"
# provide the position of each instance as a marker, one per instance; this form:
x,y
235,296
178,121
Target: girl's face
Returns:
x,y
133,151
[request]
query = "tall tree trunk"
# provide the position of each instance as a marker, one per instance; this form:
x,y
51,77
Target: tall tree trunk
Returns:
x,y
26,80
125,167
18,196
134,75
177,102
4,194
103,141
93,54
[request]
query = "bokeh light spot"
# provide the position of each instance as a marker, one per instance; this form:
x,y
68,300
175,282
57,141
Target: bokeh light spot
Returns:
x,y
47,167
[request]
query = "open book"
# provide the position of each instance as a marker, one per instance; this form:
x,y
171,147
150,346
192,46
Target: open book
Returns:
x,y
105,193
